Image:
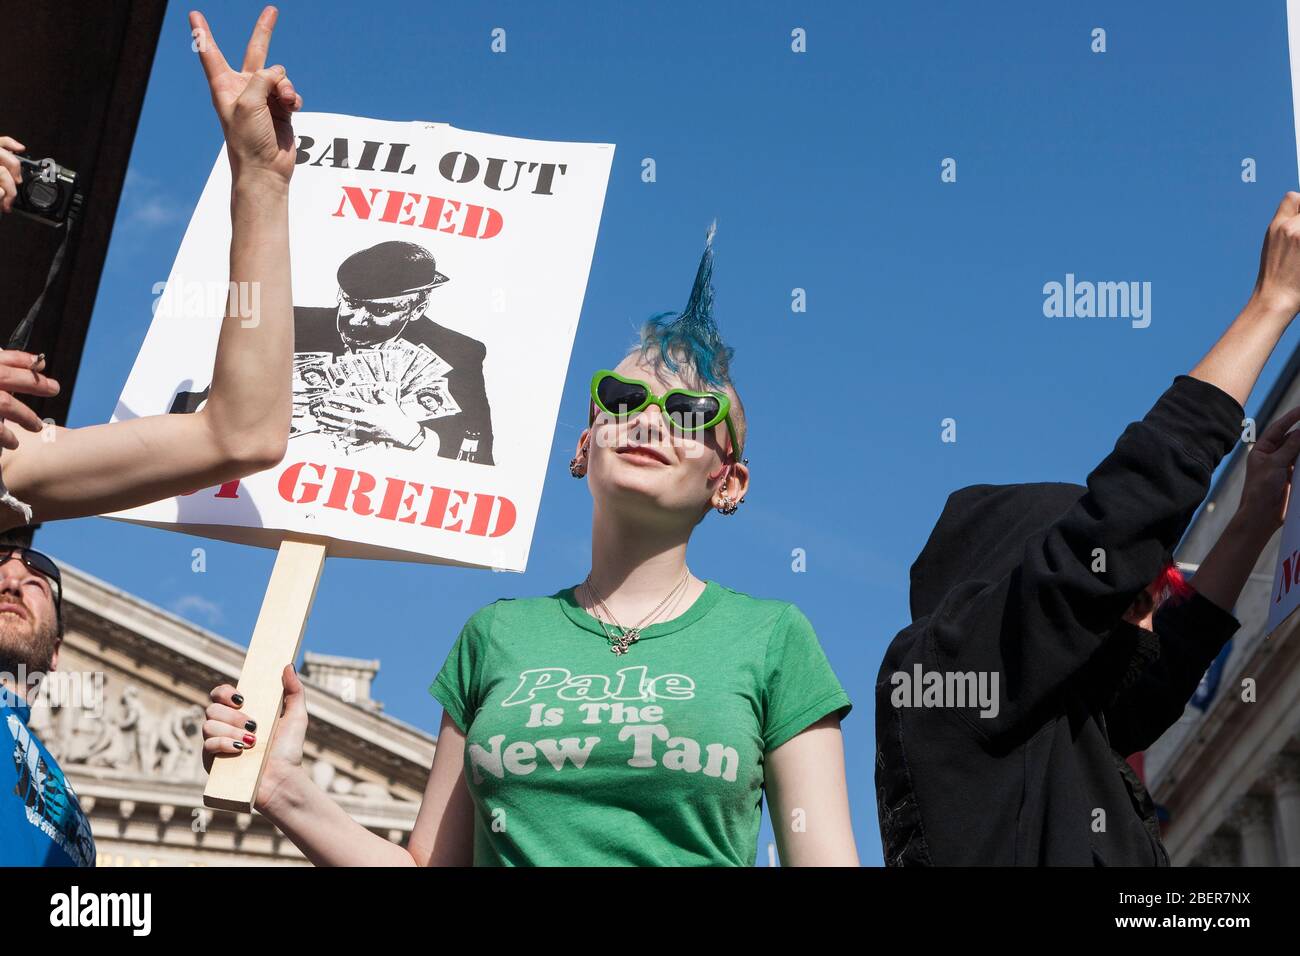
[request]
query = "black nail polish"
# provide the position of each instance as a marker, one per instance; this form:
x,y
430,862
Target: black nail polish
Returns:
x,y
238,699
251,725
239,745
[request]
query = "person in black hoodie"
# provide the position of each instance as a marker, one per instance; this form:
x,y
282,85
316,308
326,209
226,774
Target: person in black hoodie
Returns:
x,y
1050,594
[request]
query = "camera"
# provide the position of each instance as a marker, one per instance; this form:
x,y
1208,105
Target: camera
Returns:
x,y
48,191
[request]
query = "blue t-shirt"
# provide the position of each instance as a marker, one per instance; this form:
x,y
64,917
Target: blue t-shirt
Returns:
x,y
41,823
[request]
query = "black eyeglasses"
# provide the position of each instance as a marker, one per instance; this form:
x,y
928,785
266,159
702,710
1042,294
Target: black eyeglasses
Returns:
x,y
39,563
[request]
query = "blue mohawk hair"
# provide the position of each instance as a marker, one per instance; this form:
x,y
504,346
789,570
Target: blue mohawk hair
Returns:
x,y
692,332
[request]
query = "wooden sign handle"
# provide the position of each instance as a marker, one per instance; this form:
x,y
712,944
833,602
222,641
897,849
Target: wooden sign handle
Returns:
x,y
232,784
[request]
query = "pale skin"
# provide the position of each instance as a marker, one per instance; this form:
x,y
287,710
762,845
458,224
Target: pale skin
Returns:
x,y
644,511
244,427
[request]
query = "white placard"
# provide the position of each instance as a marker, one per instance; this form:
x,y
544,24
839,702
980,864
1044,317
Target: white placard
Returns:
x,y
476,360
1293,47
1285,596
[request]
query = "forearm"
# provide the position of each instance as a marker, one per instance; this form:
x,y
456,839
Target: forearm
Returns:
x,y
249,406
74,472
1228,566
1191,632
323,831
1188,634
1237,358
70,473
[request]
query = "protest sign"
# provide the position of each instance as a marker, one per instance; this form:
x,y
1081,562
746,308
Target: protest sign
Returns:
x,y
438,276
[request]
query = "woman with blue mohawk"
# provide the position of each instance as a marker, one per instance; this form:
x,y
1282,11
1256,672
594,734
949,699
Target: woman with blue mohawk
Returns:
x,y
639,717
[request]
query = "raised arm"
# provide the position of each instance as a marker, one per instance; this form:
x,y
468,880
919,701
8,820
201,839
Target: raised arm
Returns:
x,y
1039,625
1188,635
244,427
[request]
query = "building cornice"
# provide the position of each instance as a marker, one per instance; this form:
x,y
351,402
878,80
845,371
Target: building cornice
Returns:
x,y
111,620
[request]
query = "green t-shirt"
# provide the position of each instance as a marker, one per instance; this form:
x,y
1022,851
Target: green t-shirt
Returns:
x,y
576,756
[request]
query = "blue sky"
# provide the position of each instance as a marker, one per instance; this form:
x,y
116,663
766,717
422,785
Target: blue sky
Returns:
x,y
924,298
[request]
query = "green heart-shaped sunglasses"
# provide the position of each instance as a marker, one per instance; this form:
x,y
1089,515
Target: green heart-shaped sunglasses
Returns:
x,y
685,409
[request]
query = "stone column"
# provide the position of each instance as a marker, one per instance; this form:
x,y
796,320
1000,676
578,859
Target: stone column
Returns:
x,y
1285,778
1253,818
1219,849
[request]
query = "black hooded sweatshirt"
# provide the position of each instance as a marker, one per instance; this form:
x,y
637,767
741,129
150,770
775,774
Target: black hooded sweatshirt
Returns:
x,y
1006,585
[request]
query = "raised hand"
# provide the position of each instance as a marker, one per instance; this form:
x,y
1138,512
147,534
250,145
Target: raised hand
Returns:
x,y
1235,361
1278,284
1264,498
1267,488
255,104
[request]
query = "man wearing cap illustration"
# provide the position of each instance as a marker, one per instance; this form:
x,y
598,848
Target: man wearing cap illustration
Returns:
x,y
383,296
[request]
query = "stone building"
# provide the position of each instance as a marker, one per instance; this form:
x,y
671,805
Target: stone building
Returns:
x,y
123,718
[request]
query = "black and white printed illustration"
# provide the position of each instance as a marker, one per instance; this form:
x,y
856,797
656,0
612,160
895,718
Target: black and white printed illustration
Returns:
x,y
377,369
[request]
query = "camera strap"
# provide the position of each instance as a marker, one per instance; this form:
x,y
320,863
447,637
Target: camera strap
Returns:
x,y
23,333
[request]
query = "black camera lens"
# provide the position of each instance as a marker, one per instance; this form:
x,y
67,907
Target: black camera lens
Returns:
x,y
41,195
48,191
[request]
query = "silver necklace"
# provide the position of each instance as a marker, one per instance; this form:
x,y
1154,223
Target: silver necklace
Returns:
x,y
619,643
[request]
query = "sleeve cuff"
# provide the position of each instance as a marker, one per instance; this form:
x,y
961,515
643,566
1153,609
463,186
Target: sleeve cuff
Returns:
x,y
1206,625
1202,418
450,704
1214,619
837,702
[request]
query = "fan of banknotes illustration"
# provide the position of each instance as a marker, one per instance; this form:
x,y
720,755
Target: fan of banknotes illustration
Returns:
x,y
411,376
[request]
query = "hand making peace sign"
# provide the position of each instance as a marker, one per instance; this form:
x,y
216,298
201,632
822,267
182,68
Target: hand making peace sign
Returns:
x,y
254,104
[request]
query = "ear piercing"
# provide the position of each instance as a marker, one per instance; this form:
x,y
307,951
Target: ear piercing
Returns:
x,y
729,504
578,464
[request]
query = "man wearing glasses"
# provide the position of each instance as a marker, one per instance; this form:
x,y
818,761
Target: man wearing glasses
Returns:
x,y
41,822
384,294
